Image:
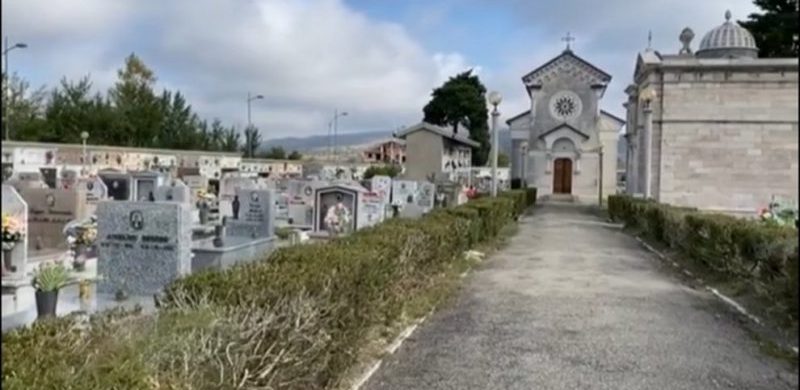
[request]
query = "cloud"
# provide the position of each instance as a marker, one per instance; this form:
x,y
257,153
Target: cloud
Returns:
x,y
307,57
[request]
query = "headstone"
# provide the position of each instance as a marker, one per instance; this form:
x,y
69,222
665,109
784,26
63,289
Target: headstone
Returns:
x,y
426,196
175,191
28,180
329,196
69,179
256,214
95,189
382,185
403,192
372,209
17,256
49,210
145,184
142,246
196,183
118,185
412,210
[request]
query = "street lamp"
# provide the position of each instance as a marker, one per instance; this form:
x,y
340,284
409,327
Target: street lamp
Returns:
x,y
494,99
6,49
250,99
84,137
335,121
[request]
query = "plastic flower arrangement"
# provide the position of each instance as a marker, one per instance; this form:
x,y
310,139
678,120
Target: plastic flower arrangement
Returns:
x,y
337,218
50,276
12,229
779,213
82,233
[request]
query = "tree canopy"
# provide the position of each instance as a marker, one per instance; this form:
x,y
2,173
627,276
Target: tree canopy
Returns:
x,y
776,29
131,113
390,170
462,100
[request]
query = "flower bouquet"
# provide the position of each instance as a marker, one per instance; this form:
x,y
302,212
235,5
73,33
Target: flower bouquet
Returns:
x,y
779,213
12,234
80,236
337,219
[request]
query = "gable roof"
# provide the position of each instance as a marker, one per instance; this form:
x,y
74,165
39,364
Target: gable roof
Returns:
x,y
602,75
515,117
567,125
612,116
442,131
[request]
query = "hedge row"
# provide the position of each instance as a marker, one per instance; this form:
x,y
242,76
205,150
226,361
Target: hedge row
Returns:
x,y
297,320
761,255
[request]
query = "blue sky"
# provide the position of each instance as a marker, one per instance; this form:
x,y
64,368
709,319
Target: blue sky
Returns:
x,y
378,60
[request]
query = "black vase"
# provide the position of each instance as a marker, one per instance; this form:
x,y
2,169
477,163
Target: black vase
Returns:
x,y
46,303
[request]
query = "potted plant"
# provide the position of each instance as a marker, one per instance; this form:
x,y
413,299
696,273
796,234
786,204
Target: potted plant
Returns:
x,y
80,237
12,234
48,279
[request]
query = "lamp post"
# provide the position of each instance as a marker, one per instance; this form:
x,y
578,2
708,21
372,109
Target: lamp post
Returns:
x,y
84,137
335,120
6,49
494,99
250,99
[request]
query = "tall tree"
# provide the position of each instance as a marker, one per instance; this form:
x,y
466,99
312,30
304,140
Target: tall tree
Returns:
x,y
179,126
503,160
217,134
24,108
776,29
252,140
461,100
230,140
139,111
72,110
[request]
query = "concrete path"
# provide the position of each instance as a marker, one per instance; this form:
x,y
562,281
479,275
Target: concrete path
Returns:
x,y
574,304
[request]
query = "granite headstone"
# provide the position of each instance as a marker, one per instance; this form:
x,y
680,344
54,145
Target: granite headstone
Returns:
x,y
142,246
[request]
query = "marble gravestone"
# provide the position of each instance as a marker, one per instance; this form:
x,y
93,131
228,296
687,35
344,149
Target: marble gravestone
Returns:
x,y
426,196
27,180
227,190
145,184
255,217
175,191
118,185
69,179
328,196
94,188
142,246
403,192
49,210
382,185
372,209
17,257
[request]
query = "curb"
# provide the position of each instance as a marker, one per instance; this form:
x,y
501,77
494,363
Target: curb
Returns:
x,y
725,299
390,350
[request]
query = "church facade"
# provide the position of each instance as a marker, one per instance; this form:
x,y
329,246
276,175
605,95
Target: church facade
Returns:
x,y
565,144
715,129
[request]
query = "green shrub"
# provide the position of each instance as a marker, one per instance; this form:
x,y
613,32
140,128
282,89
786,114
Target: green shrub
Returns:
x,y
297,319
759,254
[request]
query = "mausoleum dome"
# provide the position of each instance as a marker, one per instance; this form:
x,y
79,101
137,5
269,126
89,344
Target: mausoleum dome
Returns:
x,y
728,40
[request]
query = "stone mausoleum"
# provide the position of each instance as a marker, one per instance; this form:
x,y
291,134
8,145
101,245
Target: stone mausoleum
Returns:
x,y
565,145
715,128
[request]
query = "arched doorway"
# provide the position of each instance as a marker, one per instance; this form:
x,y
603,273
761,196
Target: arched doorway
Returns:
x,y
562,176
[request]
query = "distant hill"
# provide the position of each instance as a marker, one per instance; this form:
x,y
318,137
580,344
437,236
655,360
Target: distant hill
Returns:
x,y
318,142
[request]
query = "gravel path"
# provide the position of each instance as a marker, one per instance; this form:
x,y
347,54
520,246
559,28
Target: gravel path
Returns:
x,y
573,303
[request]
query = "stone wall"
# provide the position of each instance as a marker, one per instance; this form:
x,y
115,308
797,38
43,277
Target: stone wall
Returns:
x,y
729,167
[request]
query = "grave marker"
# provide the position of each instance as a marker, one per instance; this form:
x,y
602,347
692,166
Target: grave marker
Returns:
x,y
16,256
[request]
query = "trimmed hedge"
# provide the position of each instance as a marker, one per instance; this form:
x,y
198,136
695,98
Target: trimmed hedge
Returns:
x,y
736,249
296,320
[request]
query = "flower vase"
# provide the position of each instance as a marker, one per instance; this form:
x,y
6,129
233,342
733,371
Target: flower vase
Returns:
x,y
46,303
8,266
79,258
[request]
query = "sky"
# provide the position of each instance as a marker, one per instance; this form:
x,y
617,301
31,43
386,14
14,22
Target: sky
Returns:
x,y
378,60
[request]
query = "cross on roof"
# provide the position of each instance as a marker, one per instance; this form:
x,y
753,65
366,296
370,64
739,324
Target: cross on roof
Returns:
x,y
649,39
568,39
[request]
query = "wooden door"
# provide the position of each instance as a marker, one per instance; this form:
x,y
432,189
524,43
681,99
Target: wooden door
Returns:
x,y
562,176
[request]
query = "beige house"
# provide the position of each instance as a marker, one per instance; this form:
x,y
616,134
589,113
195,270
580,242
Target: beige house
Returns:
x,y
715,129
436,151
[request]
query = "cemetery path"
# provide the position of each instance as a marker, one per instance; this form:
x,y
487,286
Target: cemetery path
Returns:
x,y
573,303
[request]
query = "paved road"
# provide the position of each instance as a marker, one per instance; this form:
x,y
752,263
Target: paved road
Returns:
x,y
574,304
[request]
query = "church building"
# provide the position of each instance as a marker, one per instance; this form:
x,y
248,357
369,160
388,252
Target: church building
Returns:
x,y
715,129
565,145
